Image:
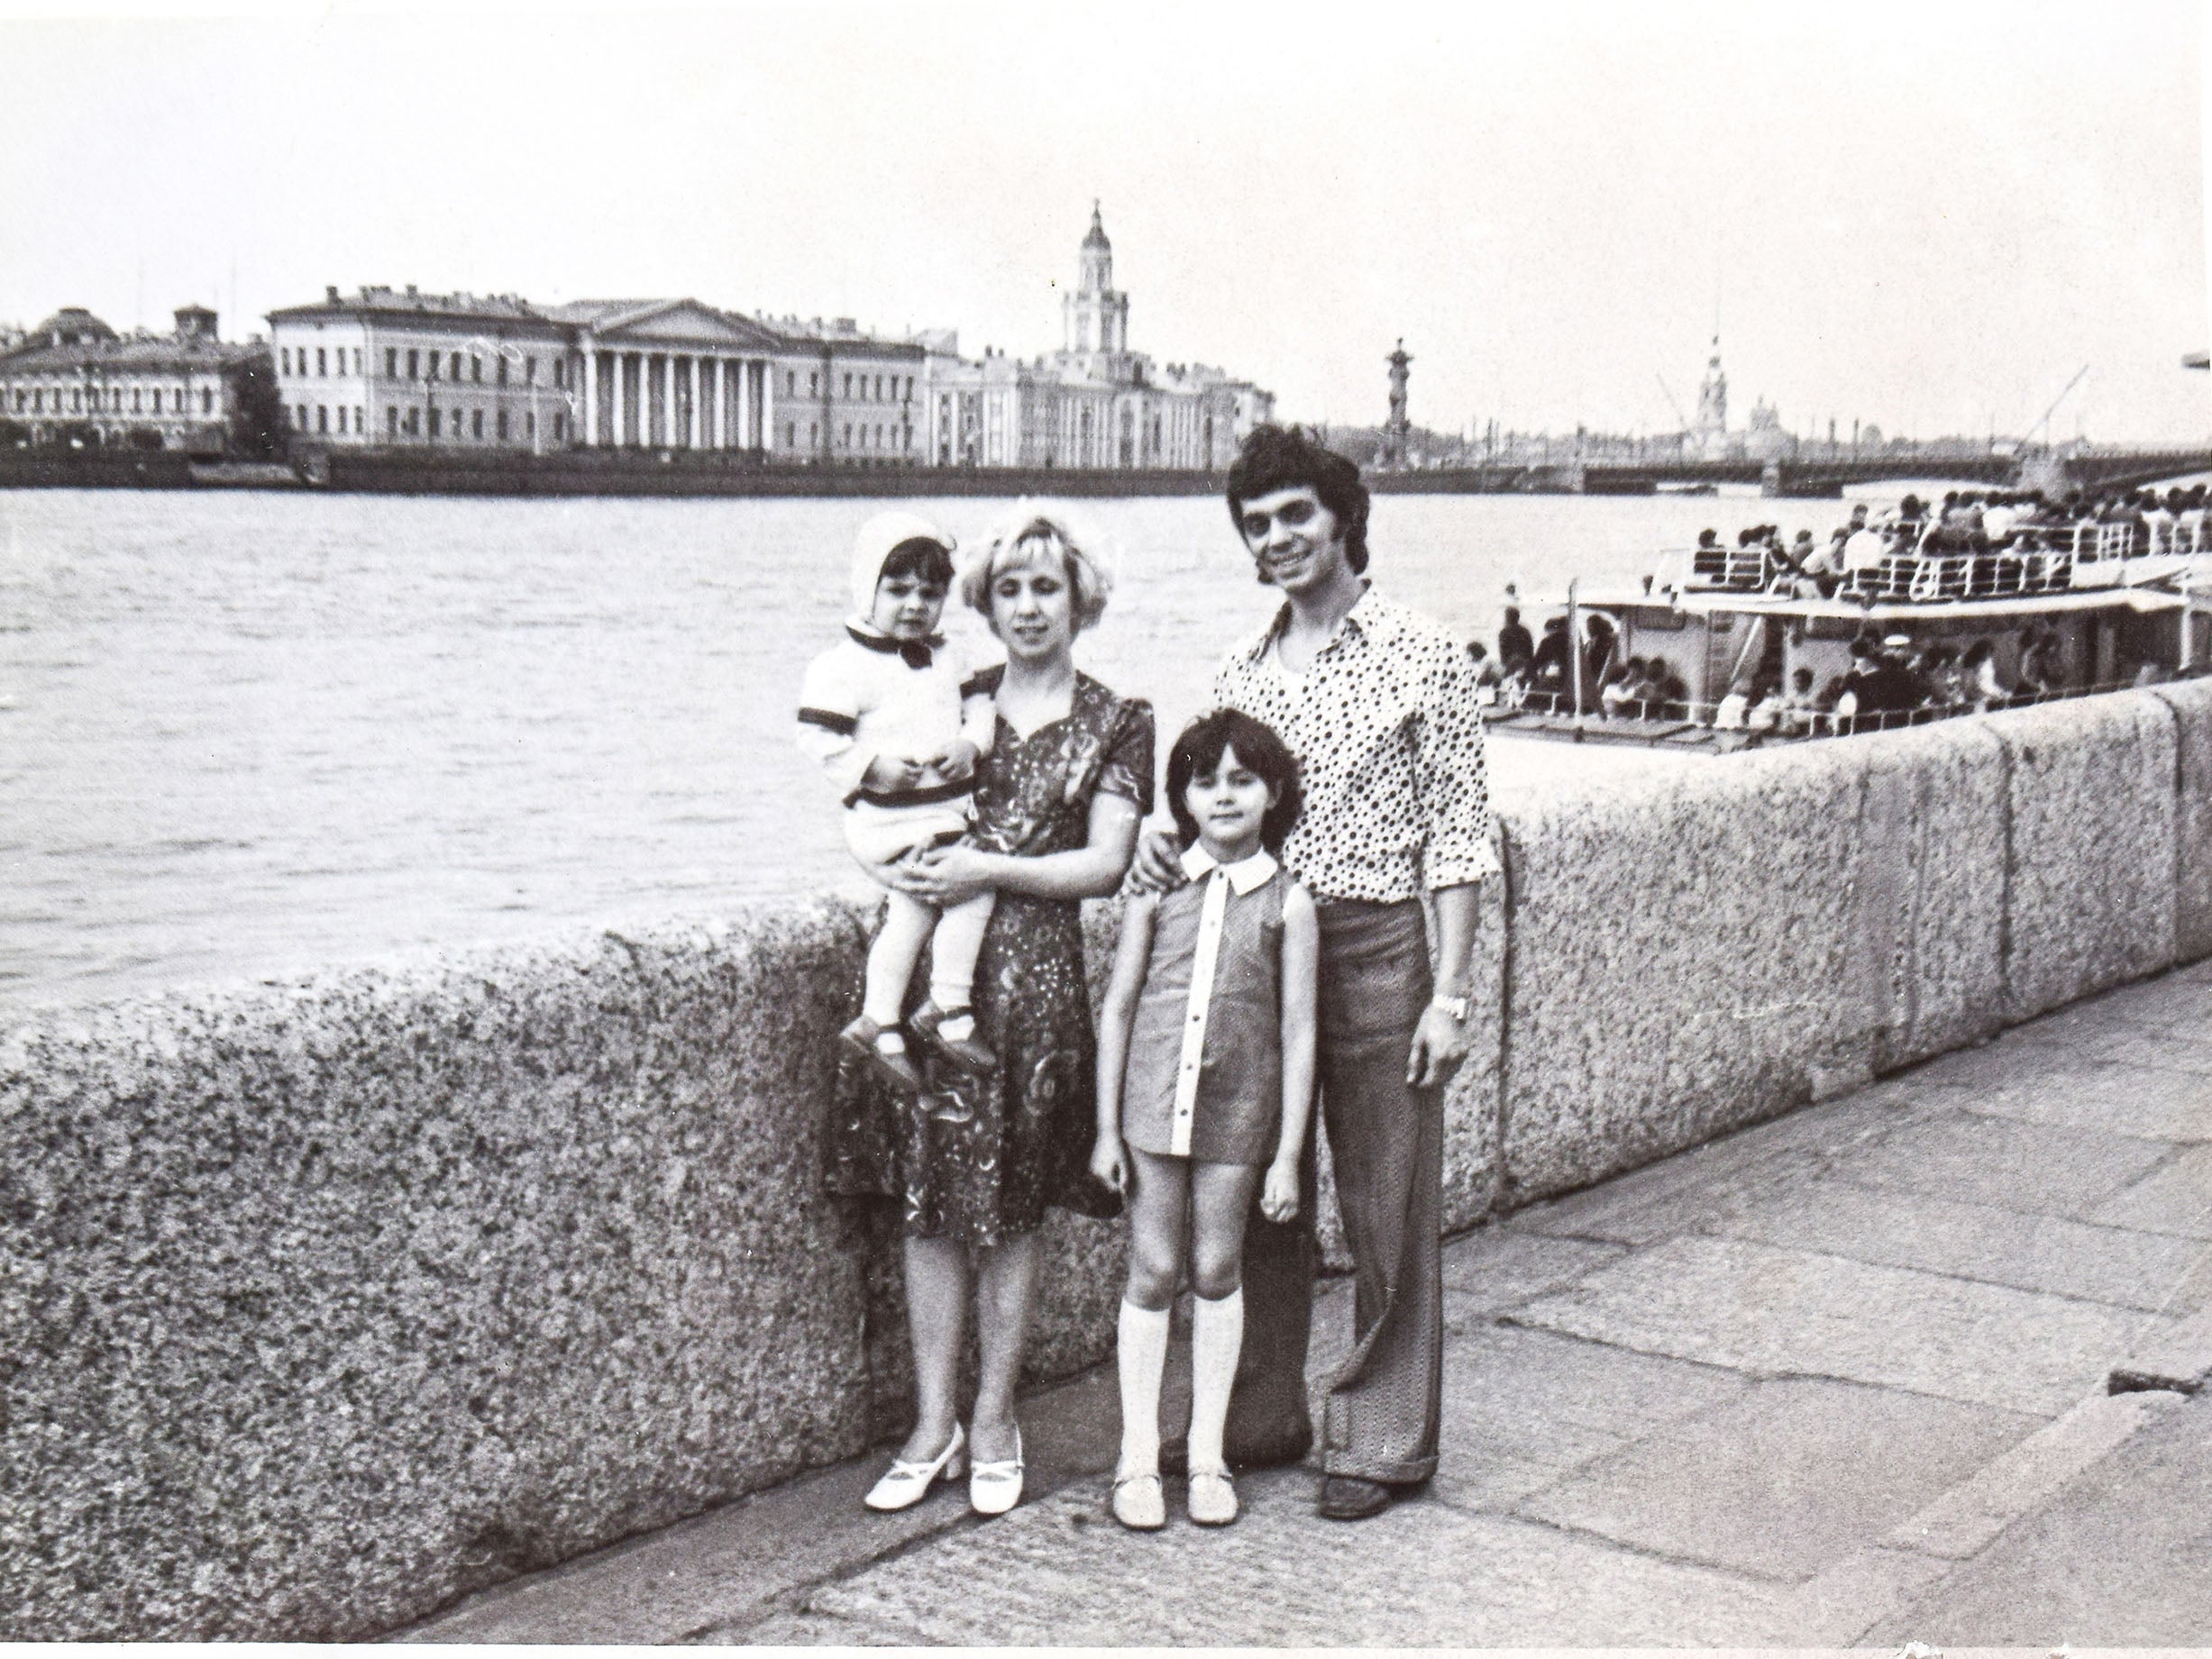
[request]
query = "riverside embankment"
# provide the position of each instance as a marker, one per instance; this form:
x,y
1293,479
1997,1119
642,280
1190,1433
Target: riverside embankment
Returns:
x,y
335,1298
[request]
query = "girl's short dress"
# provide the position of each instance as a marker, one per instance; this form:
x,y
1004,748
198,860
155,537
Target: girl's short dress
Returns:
x,y
1205,1067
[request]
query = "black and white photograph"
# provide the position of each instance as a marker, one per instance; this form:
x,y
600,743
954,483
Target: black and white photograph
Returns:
x,y
957,824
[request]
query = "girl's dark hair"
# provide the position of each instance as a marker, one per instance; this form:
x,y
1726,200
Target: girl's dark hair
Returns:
x,y
1274,457
1199,749
921,558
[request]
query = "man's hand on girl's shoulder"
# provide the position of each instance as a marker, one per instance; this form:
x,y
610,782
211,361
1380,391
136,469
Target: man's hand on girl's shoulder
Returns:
x,y
1158,868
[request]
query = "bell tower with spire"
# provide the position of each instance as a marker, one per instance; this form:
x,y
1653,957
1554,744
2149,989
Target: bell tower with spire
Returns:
x,y
1710,435
1097,315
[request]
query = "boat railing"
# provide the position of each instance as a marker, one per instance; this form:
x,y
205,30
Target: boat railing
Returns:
x,y
2036,559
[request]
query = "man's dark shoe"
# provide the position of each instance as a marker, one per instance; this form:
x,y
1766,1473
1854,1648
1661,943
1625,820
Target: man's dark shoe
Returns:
x,y
1348,1498
1285,1444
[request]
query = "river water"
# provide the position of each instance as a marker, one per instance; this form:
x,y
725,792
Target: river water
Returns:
x,y
245,733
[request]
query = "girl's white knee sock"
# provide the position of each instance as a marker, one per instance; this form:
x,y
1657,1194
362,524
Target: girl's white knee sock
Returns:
x,y
1216,1334
1140,1353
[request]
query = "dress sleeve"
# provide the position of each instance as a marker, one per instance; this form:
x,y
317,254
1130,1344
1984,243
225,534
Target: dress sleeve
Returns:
x,y
979,706
1450,773
1127,768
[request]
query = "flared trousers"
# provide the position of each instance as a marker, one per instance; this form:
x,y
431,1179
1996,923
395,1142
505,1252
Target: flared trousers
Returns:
x,y
1385,1143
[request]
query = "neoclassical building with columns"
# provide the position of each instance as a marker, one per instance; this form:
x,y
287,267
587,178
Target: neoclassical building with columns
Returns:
x,y
389,366
672,374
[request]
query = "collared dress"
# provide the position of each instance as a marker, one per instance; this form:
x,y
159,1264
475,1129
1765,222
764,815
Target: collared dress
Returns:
x,y
1027,1144
1205,1066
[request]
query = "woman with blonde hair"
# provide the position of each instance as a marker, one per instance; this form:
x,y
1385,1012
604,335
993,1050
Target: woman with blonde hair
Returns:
x,y
1067,783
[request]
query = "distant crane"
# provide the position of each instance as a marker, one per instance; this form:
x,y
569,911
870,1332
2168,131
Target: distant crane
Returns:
x,y
2044,425
1673,401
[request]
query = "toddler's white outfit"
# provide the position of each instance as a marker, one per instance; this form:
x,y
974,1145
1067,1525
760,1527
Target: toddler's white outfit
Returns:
x,y
872,695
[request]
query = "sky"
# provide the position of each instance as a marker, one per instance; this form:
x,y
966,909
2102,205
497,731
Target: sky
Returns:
x,y
1928,217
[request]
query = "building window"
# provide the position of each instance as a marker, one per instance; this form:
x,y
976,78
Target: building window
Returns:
x,y
138,400
814,434
814,382
499,368
322,418
429,365
502,425
456,366
415,424
560,428
476,422
476,368
438,419
391,363
284,358
360,422
321,362
790,382
791,434
391,420
207,401
157,400
300,416
848,386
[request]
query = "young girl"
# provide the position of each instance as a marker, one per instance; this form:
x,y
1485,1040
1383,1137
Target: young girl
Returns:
x,y
1205,1075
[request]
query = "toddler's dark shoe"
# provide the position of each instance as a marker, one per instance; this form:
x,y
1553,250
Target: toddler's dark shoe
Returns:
x,y
891,1067
970,1056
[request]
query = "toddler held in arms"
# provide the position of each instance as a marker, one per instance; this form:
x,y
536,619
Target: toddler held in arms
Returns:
x,y
895,717
1205,1083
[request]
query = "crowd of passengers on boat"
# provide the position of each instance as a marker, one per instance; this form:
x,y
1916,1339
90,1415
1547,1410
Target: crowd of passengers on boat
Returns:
x,y
1972,545
1976,543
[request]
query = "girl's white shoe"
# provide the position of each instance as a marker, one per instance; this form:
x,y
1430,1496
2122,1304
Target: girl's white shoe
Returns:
x,y
905,1484
1212,1498
993,1489
1138,1504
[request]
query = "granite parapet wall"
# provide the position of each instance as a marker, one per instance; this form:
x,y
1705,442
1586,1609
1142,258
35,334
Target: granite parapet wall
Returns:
x,y
329,1302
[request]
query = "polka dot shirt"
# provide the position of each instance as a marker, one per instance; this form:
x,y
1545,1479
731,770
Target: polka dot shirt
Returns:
x,y
1389,736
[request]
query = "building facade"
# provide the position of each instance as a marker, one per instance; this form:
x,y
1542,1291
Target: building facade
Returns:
x,y
847,397
396,367
75,381
671,374
1095,405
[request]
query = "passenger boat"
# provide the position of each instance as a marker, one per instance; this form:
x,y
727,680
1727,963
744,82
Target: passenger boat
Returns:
x,y
2103,606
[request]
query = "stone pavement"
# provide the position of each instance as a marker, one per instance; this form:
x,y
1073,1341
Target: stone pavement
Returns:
x,y
1842,1378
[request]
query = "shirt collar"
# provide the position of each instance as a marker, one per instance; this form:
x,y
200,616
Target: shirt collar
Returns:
x,y
915,653
1355,624
1244,875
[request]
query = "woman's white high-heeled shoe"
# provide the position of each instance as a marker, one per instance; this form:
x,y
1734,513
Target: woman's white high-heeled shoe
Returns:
x,y
993,1489
905,1484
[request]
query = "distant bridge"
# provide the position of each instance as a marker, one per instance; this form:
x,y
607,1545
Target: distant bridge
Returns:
x,y
2050,471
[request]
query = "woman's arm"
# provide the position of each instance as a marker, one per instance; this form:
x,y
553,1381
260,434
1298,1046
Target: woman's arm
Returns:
x,y
1117,1016
1092,871
1300,960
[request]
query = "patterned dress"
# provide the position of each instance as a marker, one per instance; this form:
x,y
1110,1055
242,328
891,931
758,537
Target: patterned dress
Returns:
x,y
1028,1142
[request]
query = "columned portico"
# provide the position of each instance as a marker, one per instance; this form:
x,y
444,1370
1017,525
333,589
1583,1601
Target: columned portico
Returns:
x,y
677,375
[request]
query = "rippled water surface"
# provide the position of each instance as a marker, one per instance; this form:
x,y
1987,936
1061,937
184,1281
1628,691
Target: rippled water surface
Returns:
x,y
243,734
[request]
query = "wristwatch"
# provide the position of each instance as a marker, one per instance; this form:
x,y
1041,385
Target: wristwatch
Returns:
x,y
1457,1007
